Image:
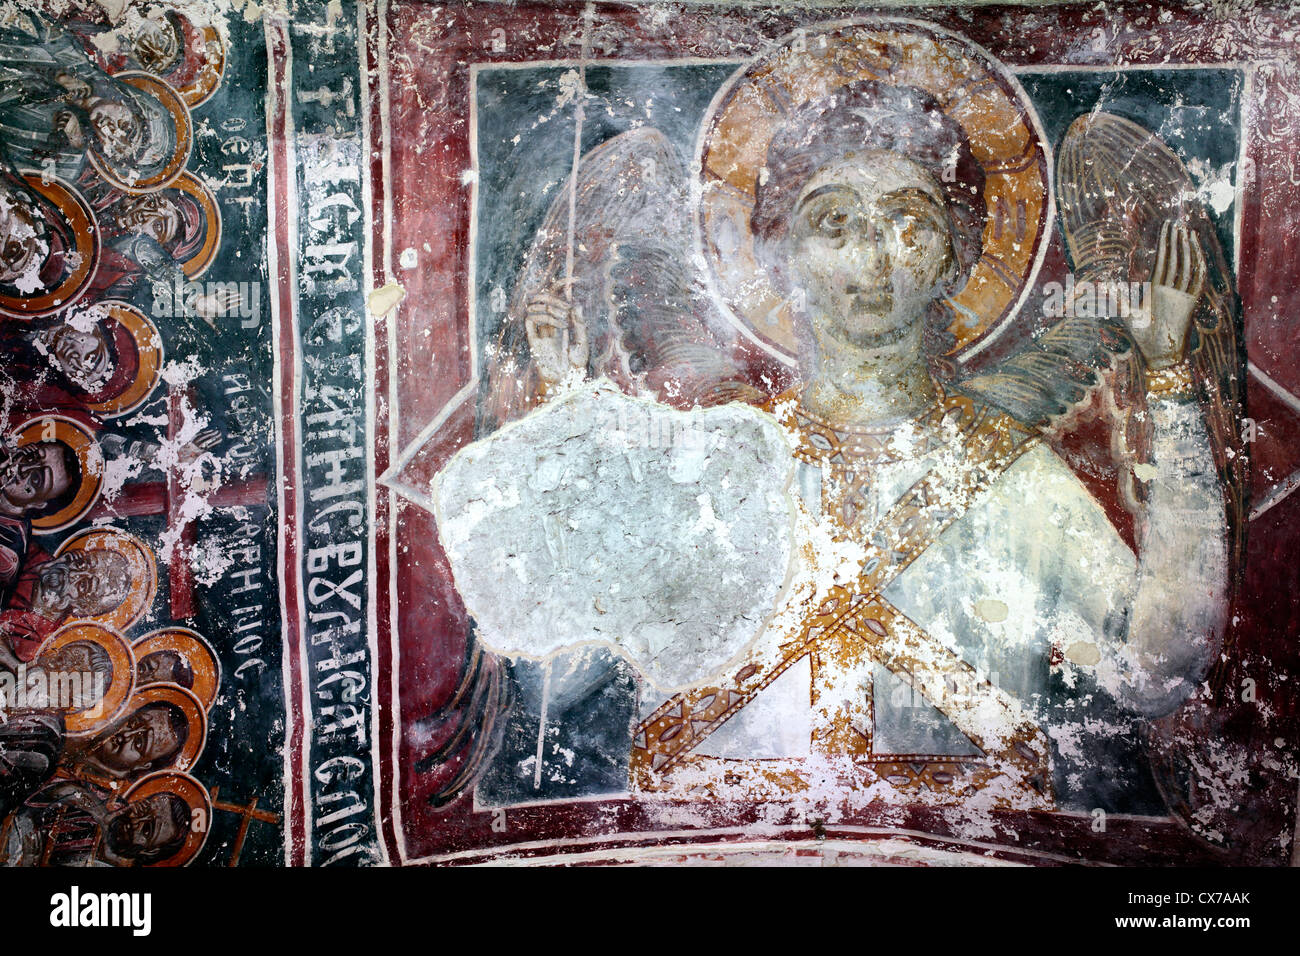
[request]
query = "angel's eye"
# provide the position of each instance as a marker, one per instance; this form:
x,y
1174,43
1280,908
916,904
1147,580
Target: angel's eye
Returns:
x,y
913,232
831,222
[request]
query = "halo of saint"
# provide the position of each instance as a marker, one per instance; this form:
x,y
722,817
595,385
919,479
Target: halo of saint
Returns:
x,y
190,707
189,55
83,648
169,728
180,48
52,244
142,572
197,801
181,656
74,435
169,139
203,223
138,354
970,88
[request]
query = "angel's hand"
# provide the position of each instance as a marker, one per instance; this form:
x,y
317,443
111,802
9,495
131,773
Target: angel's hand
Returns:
x,y
1176,286
218,304
557,337
193,450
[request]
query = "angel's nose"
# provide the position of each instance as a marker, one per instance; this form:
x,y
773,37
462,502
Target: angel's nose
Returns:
x,y
868,257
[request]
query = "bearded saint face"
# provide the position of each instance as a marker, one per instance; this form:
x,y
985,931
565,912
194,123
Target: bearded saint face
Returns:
x,y
79,350
34,475
152,214
83,583
117,130
80,670
155,45
22,249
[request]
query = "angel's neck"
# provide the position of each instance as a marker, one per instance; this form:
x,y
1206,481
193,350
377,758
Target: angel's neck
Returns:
x,y
871,387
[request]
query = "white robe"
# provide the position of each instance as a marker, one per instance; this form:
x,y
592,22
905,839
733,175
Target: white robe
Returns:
x,y
1034,563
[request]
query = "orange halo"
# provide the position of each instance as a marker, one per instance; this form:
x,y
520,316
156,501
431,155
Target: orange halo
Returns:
x,y
121,682
75,435
196,798
198,190
85,232
200,89
180,113
140,561
190,645
149,355
971,88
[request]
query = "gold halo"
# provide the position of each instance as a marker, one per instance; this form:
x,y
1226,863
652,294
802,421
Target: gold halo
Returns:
x,y
121,684
190,645
75,435
198,190
149,352
171,100
195,796
140,561
971,88
199,90
86,239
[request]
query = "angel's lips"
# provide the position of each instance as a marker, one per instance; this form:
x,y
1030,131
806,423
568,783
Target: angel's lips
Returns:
x,y
874,303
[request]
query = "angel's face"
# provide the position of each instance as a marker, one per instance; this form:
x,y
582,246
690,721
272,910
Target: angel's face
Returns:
x,y
870,247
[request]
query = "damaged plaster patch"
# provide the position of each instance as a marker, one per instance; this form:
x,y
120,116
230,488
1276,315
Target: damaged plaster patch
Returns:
x,y
992,610
384,299
1084,653
665,535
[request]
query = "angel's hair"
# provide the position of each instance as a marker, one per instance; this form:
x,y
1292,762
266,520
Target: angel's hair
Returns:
x,y
867,116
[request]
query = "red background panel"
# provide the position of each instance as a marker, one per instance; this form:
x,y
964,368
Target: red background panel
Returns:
x,y
423,130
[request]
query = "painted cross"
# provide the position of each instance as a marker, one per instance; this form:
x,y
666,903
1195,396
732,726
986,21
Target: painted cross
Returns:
x,y
246,815
168,498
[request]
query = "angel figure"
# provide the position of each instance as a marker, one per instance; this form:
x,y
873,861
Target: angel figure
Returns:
x,y
876,205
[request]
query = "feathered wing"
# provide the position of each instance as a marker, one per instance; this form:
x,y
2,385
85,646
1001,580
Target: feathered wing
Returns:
x,y
1118,184
1084,368
1079,366
649,325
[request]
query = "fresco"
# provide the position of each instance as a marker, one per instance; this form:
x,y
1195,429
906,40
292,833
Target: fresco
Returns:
x,y
140,646
561,432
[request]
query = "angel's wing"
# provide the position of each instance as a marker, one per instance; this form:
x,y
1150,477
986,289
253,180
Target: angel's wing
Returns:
x,y
1079,367
651,328
649,325
1118,184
